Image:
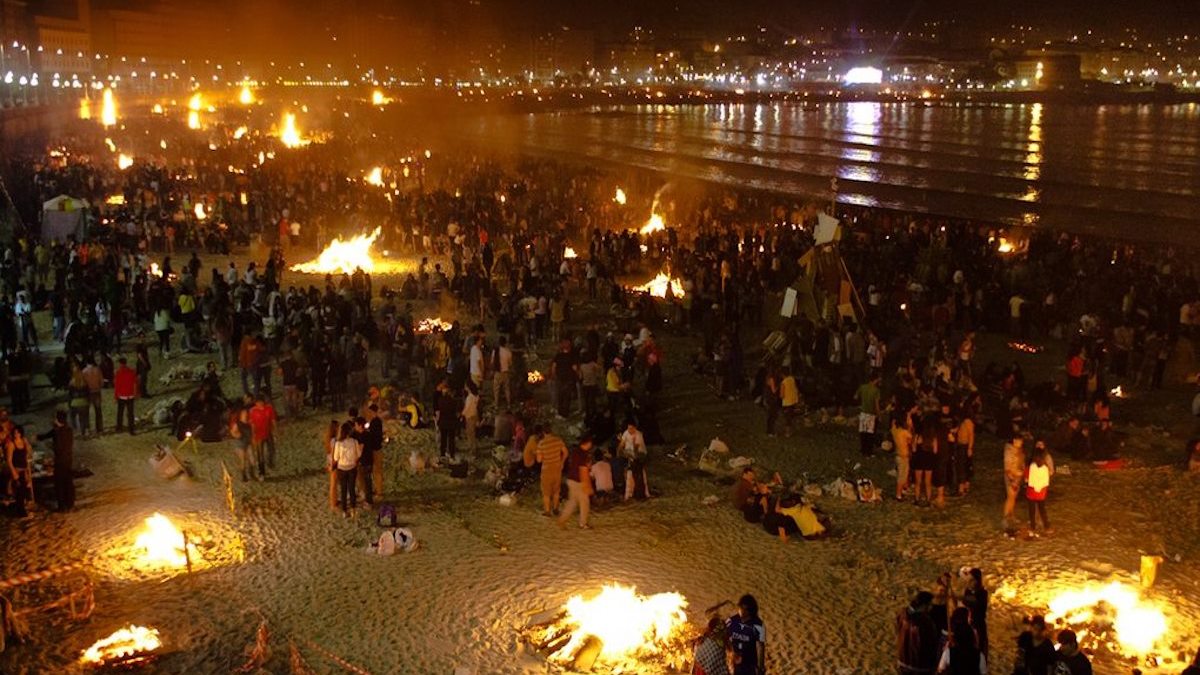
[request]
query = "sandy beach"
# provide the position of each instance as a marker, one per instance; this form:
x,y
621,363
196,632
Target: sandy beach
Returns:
x,y
453,606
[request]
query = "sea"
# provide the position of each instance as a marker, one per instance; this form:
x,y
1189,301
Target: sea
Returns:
x,y
1129,171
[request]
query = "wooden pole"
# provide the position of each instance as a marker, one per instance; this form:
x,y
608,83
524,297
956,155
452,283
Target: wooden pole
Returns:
x,y
187,556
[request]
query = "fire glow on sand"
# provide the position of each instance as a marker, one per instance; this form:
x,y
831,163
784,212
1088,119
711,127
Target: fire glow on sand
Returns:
x,y
626,625
345,256
659,284
130,646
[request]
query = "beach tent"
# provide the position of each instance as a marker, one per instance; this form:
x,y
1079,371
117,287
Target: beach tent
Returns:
x,y
64,216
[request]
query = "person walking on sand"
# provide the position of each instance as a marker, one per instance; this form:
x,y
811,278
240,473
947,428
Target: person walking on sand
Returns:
x,y
902,440
747,639
868,400
550,452
262,425
1014,474
579,484
346,452
1037,479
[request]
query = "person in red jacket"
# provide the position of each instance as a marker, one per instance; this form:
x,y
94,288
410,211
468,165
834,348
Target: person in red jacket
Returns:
x,y
125,389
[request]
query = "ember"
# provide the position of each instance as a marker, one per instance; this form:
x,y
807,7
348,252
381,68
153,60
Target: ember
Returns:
x,y
1025,347
427,326
129,646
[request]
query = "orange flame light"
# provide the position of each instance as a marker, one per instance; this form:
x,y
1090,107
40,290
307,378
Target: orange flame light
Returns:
x,y
108,109
1139,624
619,197
289,134
344,257
659,284
127,645
426,326
535,377
85,108
627,624
124,161
378,98
655,224
570,253
163,543
374,177
245,96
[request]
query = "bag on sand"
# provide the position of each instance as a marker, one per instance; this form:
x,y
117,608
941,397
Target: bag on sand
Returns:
x,y
387,516
867,491
387,544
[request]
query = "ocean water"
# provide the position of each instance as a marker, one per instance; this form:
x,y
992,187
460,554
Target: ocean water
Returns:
x,y
1130,171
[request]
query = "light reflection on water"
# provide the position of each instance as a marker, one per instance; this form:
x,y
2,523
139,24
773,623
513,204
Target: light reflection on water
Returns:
x,y
1107,166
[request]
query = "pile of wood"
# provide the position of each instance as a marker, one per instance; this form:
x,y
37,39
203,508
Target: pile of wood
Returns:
x,y
547,634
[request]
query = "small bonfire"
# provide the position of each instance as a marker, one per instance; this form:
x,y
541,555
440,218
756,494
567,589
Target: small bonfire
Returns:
x,y
129,647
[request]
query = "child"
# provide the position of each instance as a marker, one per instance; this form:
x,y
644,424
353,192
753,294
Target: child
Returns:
x,y
1037,480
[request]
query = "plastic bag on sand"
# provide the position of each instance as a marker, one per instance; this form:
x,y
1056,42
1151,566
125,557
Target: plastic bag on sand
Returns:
x,y
507,499
843,489
739,462
711,500
719,446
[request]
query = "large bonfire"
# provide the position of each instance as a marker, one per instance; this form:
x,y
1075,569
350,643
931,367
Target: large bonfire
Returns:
x,y
346,256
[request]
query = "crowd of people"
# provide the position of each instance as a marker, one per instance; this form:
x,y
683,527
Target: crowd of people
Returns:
x,y
497,248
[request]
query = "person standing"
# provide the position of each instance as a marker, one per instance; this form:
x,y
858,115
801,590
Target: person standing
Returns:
x,y
502,360
1035,651
579,484
372,442
470,414
868,401
902,440
1014,474
94,377
262,440
446,415
564,372
143,371
242,434
346,452
18,456
249,357
789,400
747,639
1071,661
1037,479
550,453
125,389
916,637
62,439
964,453
975,599
961,655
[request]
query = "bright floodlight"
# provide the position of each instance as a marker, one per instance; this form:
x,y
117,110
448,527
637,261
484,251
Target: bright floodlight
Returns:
x,y
864,75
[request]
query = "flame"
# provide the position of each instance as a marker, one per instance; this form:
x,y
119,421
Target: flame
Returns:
x,y
196,102
155,270
193,120
244,198
163,144
112,147
655,224
115,200
245,96
426,326
289,134
1005,246
198,210
1117,392
85,108
157,109
345,257
124,161
108,109
570,253
378,98
162,541
619,197
239,132
659,284
534,377
1138,623
375,176
628,624
123,643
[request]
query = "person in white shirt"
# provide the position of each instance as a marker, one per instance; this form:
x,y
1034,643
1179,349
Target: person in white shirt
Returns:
x,y
346,452
23,309
231,274
476,361
632,443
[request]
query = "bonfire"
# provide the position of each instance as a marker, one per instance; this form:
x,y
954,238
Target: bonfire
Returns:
x,y
289,134
619,197
570,253
108,108
658,286
128,647
617,628
655,224
346,256
427,326
535,377
163,545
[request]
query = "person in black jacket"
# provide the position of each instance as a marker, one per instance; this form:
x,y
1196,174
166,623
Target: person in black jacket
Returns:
x,y
63,441
372,442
